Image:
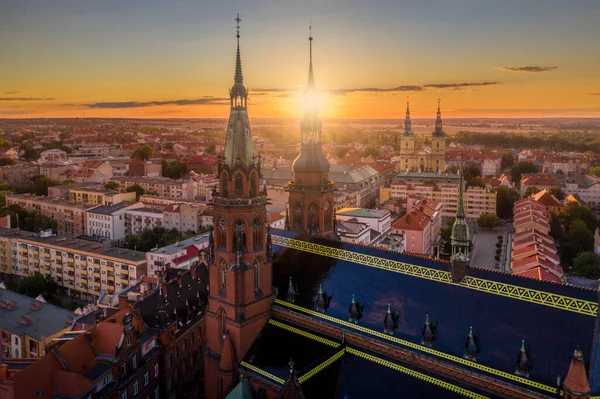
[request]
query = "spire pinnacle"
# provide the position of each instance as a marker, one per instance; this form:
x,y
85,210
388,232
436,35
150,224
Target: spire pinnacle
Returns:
x,y
438,121
311,79
407,121
460,213
239,78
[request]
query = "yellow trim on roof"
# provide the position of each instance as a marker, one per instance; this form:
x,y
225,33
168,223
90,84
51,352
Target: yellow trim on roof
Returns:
x,y
321,366
478,284
262,372
418,347
304,333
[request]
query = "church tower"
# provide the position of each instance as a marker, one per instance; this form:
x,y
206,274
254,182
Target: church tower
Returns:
x,y
407,144
311,191
438,144
240,286
460,238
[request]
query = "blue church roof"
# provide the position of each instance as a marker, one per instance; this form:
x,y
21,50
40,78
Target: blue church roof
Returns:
x,y
503,309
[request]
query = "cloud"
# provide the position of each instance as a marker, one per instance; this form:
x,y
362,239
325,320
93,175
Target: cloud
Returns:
x,y
397,89
11,92
528,69
207,100
26,98
594,94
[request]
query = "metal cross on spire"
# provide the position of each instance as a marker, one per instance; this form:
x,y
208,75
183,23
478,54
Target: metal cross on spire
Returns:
x,y
238,20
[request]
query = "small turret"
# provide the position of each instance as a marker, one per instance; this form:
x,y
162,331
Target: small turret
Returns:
x,y
428,334
355,311
471,346
390,321
523,362
438,122
291,293
322,300
576,385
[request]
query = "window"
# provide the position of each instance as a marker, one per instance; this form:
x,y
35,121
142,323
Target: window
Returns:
x,y
106,379
223,323
157,393
169,385
124,395
129,340
184,345
134,362
123,369
146,379
135,388
223,276
256,268
156,370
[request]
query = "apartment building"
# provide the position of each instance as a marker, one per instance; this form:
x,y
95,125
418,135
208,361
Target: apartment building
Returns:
x,y
109,221
28,325
182,190
70,217
444,189
140,218
16,175
81,267
6,235
176,255
183,216
416,228
99,196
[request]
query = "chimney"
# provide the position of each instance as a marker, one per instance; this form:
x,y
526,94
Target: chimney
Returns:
x,y
459,266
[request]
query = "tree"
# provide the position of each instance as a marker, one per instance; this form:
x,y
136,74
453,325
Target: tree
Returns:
x,y
27,220
143,152
531,190
575,211
6,161
29,152
445,234
558,193
137,189
111,185
39,187
476,182
577,239
211,149
521,167
595,171
507,160
505,201
175,169
556,230
471,171
587,264
372,151
488,221
37,285
156,237
341,151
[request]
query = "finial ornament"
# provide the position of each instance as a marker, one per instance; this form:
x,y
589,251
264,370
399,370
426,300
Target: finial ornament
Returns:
x,y
238,20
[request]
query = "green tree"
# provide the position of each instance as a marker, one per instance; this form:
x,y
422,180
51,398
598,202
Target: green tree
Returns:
x,y
37,285
575,211
587,264
27,220
521,167
471,171
143,152
476,182
577,239
6,161
488,221
558,193
445,234
595,171
371,151
505,201
29,152
531,190
556,230
39,187
211,149
111,185
156,237
137,189
175,169
507,160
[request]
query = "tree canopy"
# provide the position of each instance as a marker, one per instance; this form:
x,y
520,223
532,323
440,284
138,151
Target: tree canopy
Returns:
x,y
558,193
372,151
175,169
111,185
507,160
587,264
595,171
575,211
488,221
137,189
505,201
577,239
27,220
143,152
37,285
521,167
156,237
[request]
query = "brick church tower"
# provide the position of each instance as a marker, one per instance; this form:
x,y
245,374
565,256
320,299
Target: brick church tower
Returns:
x,y
240,286
311,192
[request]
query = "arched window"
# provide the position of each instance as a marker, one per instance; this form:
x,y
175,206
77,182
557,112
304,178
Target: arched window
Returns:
x,y
298,215
256,267
239,238
239,187
224,188
222,234
328,215
253,185
223,276
313,218
257,233
223,323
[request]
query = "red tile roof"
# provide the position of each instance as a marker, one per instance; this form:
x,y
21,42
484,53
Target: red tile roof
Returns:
x,y
576,380
70,384
414,220
540,273
545,198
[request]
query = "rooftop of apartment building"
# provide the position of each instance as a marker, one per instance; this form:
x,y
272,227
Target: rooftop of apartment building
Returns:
x,y
181,245
23,315
414,220
49,200
418,177
87,245
158,210
362,213
110,209
149,180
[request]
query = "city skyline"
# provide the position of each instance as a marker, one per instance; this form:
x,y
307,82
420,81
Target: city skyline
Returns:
x,y
174,59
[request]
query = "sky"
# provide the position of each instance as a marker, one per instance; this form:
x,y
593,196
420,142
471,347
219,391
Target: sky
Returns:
x,y
175,58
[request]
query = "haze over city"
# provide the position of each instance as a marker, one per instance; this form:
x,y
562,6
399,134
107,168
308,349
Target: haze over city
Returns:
x,y
157,59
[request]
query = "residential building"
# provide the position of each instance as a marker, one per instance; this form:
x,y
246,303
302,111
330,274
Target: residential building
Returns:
x,y
416,228
18,175
353,231
550,202
182,190
378,221
80,266
109,221
433,210
28,325
587,188
178,255
538,181
70,217
117,358
99,196
204,163
9,153
6,267
140,218
53,155
183,216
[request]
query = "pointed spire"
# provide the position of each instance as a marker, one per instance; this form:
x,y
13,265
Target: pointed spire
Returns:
x,y
227,361
407,120
428,334
287,219
291,294
239,78
311,78
460,212
523,362
438,121
576,382
390,321
471,346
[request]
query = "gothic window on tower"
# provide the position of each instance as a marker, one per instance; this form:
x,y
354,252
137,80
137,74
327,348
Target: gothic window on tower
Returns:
x,y
222,237
257,234
313,221
223,323
239,238
239,187
223,276
253,185
328,214
224,189
298,215
256,267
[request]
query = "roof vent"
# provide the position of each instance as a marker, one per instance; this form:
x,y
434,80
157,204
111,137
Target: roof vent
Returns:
x,y
25,320
35,306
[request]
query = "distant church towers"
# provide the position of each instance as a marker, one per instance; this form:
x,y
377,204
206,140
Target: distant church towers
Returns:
x,y
311,192
430,158
240,276
460,237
